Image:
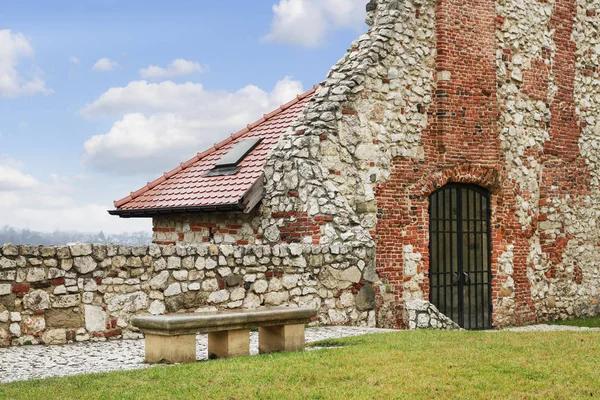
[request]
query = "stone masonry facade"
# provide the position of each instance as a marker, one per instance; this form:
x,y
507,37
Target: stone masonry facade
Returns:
x,y
503,95
55,295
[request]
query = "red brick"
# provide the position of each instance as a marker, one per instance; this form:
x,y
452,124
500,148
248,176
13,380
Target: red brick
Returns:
x,y
58,281
112,333
21,288
159,229
71,335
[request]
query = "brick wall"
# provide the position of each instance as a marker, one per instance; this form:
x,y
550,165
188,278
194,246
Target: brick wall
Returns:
x,y
227,228
462,143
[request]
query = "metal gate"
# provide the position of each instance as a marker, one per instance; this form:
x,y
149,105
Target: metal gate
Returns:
x,y
459,254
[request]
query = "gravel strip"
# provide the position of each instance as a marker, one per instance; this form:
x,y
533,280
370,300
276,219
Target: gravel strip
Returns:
x,y
33,362
549,328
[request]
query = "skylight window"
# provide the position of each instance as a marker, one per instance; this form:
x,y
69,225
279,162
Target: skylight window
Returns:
x,y
228,164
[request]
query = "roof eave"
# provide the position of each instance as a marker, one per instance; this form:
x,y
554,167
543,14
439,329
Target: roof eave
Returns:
x,y
152,212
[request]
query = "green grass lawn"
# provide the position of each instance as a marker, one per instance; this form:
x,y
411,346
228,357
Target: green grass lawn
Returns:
x,y
587,322
412,365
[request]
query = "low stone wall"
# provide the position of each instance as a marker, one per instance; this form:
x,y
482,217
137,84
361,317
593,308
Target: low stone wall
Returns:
x,y
85,292
421,314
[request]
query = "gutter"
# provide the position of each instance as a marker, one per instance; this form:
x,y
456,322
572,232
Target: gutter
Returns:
x,y
151,212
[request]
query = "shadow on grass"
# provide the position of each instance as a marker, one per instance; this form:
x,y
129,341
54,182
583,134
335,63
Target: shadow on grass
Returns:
x,y
338,342
593,322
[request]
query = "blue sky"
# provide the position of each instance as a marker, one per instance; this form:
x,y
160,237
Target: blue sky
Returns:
x,y
97,98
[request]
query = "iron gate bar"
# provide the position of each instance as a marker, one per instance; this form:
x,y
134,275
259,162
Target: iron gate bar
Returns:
x,y
484,251
476,258
459,228
438,242
488,259
473,287
469,254
443,246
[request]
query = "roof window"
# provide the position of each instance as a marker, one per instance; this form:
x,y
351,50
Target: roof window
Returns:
x,y
228,164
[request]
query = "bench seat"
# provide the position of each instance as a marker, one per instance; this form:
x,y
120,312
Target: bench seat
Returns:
x,y
172,338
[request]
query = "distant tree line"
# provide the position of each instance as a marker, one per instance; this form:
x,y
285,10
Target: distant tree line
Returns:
x,y
12,235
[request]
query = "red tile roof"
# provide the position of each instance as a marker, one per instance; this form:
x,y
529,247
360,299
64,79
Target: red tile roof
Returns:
x,y
186,187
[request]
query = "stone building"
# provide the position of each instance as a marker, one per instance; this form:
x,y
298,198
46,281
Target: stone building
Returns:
x,y
454,147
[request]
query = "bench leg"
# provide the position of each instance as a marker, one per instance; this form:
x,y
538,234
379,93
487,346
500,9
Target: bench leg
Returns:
x,y
280,338
225,344
170,349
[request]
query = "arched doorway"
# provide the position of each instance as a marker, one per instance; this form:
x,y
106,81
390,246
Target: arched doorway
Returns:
x,y
459,254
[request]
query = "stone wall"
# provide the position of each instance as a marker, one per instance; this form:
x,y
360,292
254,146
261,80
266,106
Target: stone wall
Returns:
x,y
501,94
90,292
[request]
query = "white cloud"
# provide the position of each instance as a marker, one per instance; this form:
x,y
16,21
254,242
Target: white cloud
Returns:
x,y
162,124
11,178
179,67
167,96
74,60
48,205
13,48
285,90
105,64
308,22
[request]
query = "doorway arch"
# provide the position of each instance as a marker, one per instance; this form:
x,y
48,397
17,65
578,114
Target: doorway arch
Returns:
x,y
460,254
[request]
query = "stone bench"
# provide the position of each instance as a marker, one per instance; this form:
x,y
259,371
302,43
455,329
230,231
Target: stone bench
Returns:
x,y
172,338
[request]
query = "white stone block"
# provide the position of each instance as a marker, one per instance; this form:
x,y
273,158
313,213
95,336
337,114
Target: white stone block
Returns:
x,y
173,289
5,289
95,318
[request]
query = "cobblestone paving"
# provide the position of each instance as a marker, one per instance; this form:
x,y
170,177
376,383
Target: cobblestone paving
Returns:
x,y
32,362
